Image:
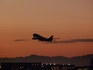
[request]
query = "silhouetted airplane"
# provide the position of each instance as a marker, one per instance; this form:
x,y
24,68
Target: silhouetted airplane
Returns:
x,y
41,38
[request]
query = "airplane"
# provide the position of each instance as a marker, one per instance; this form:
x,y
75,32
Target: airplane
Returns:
x,y
41,38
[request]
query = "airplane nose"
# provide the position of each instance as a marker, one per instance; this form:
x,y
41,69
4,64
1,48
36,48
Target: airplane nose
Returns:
x,y
33,38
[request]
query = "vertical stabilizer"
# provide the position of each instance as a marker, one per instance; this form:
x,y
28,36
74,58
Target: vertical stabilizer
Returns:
x,y
50,38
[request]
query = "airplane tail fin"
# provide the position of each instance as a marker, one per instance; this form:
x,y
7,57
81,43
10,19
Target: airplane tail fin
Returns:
x,y
50,38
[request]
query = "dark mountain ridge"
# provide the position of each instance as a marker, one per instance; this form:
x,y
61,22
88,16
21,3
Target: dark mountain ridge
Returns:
x,y
77,61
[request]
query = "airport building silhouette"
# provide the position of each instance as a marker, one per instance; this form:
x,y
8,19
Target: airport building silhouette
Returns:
x,y
91,63
36,66
43,66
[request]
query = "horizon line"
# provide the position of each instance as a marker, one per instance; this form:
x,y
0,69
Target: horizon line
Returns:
x,y
47,56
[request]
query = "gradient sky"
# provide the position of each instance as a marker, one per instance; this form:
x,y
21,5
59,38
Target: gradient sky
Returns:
x,y
67,19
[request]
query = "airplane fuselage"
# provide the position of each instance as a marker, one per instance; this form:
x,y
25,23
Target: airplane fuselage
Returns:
x,y
41,38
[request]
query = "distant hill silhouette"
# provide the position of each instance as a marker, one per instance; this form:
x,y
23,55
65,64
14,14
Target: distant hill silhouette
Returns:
x,y
78,60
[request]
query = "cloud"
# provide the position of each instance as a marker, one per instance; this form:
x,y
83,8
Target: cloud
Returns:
x,y
62,41
20,40
73,41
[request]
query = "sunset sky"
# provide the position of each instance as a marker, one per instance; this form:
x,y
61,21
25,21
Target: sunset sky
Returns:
x,y
67,19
